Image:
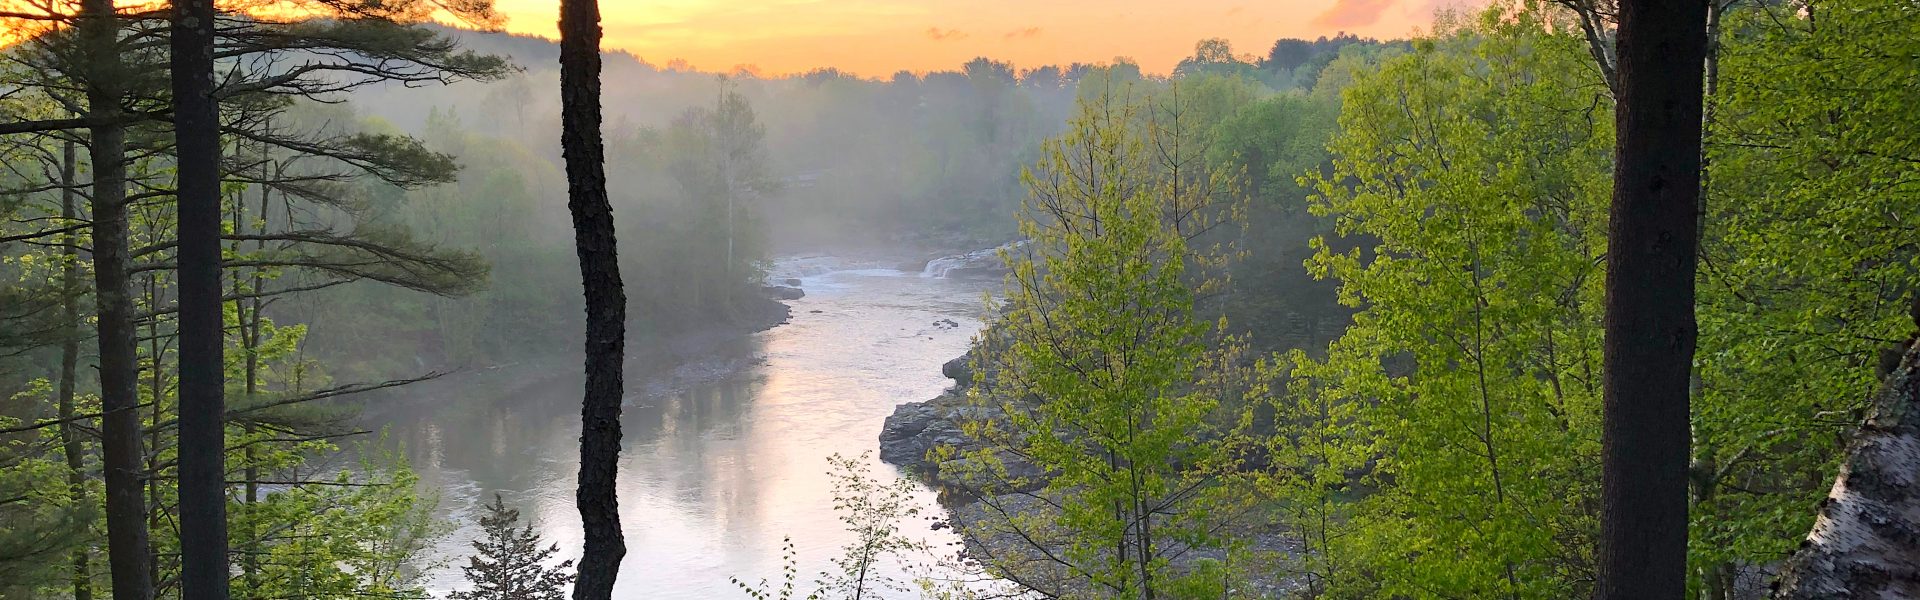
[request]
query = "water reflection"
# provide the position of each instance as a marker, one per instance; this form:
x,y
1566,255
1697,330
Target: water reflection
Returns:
x,y
725,444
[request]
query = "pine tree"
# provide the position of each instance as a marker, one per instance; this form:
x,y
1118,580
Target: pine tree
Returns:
x,y
584,151
202,321
511,565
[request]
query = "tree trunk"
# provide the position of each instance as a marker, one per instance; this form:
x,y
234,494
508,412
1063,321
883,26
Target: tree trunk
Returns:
x,y
593,232
69,365
120,448
156,381
202,379
249,313
1863,543
1650,329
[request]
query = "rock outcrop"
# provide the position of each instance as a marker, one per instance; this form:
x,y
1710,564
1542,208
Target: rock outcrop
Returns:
x,y
960,370
781,292
916,428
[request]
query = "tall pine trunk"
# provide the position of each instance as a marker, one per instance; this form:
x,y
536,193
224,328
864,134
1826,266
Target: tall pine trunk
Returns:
x,y
121,453
69,365
202,379
1650,329
593,232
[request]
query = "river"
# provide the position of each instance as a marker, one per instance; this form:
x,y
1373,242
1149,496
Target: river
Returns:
x,y
725,451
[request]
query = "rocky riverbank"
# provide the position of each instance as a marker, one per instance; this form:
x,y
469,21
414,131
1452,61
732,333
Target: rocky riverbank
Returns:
x,y
916,428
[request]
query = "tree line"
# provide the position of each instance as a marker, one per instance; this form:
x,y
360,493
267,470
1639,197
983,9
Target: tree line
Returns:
x,y
1623,281
1614,278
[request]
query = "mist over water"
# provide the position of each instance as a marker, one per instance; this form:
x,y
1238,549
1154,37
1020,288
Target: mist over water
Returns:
x,y
725,450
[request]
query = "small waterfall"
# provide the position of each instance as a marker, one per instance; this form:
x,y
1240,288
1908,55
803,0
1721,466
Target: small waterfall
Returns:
x,y
977,262
940,266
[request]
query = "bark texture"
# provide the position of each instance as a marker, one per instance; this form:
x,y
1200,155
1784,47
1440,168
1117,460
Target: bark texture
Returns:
x,y
70,425
1650,328
581,145
1866,542
202,459
121,451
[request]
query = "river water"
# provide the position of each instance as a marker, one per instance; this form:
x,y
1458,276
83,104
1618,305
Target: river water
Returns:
x,y
726,445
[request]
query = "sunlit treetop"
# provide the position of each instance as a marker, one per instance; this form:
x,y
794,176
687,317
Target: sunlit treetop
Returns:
x,y
24,19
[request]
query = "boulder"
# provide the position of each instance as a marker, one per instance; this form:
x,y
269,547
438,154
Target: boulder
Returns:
x,y
960,370
781,292
912,430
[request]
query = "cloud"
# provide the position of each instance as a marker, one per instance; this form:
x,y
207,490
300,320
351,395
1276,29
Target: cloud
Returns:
x,y
940,35
1020,34
1353,13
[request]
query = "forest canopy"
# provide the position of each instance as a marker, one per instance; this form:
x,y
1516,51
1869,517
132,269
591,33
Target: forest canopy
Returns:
x,y
1326,319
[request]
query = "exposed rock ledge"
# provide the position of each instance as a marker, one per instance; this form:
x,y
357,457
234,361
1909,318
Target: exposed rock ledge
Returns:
x,y
915,428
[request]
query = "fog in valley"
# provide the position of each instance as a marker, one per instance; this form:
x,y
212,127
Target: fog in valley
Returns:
x,y
882,201
1568,299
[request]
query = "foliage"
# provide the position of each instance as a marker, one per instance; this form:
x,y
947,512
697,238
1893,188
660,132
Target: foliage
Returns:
x,y
1445,446
874,512
356,533
1463,399
509,564
788,573
881,553
1807,268
1095,386
303,525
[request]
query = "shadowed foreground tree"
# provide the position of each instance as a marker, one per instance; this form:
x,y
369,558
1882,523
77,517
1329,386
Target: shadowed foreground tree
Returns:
x,y
583,150
202,455
105,84
1650,328
106,69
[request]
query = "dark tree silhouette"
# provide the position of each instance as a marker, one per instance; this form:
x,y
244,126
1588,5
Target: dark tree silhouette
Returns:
x,y
1650,329
121,450
202,459
581,145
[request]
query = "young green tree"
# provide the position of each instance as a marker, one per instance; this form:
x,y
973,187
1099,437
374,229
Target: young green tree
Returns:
x,y
878,513
1450,437
1103,373
509,563
874,512
719,159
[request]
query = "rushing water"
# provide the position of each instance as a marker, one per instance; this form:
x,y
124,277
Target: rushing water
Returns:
x,y
724,452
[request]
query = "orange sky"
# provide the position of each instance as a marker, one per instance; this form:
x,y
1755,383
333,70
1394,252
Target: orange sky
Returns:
x,y
878,37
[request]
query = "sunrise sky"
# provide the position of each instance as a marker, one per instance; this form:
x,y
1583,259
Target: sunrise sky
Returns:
x,y
878,37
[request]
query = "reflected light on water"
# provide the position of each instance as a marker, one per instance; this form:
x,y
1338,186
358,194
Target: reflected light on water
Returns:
x,y
724,454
